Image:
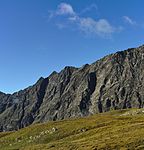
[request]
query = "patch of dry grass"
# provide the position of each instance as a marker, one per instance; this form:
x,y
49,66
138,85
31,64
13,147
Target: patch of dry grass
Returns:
x,y
118,130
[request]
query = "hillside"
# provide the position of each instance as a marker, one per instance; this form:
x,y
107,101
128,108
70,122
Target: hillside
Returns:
x,y
111,83
118,130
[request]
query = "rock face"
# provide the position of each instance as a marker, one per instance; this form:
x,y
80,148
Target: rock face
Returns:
x,y
113,82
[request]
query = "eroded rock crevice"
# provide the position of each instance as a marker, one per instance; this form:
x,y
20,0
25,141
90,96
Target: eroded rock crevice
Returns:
x,y
86,95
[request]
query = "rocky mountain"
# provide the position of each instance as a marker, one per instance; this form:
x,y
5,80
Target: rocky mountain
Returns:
x,y
113,82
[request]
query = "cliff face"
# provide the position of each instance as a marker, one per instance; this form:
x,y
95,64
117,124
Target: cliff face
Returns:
x,y
113,82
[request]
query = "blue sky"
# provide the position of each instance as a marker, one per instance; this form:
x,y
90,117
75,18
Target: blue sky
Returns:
x,y
40,36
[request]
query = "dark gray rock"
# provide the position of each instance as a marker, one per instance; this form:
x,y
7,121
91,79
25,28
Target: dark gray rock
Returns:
x,y
113,82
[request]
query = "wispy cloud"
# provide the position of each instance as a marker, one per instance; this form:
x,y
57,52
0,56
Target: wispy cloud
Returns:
x,y
129,20
89,8
87,25
100,27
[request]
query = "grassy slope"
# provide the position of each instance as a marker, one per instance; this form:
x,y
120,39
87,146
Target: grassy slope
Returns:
x,y
114,130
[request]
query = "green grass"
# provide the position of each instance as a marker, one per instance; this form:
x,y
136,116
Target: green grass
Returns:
x,y
118,130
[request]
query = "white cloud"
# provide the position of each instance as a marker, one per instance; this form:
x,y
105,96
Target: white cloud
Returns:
x,y
62,9
129,20
100,27
65,9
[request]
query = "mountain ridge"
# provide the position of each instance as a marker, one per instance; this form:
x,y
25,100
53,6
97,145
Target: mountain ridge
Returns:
x,y
112,82
56,72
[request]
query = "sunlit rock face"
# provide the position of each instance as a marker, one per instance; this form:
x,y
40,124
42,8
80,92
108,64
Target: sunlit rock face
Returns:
x,y
113,82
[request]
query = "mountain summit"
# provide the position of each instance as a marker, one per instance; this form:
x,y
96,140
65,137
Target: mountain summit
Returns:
x,y
113,82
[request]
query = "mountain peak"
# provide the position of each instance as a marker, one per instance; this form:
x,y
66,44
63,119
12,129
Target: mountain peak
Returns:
x,y
113,82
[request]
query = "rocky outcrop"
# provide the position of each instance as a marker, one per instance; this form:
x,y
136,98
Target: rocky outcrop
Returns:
x,y
113,82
